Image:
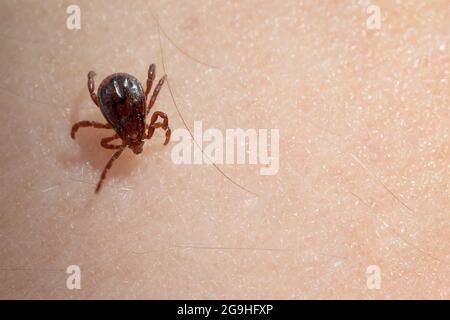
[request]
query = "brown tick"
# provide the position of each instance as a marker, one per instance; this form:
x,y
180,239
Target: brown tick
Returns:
x,y
123,103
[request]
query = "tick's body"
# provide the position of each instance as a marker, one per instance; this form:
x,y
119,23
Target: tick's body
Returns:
x,y
122,101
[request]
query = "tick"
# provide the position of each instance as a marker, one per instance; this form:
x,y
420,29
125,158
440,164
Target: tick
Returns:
x,y
123,103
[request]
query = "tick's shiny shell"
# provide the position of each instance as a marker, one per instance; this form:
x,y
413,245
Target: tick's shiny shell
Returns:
x,y
122,102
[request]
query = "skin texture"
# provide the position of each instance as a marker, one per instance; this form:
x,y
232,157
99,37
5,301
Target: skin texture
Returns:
x,y
364,151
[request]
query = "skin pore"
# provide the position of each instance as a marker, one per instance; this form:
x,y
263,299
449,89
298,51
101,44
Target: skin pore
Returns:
x,y
363,121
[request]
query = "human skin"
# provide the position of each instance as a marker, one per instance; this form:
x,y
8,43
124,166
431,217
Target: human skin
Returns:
x,y
363,117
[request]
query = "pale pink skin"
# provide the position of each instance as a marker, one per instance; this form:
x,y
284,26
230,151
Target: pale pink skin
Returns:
x,y
364,152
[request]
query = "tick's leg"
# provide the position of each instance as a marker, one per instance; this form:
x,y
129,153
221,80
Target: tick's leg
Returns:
x,y
155,94
106,145
150,79
91,87
154,125
84,124
108,166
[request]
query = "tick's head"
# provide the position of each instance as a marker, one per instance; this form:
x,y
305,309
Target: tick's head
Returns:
x,y
137,146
